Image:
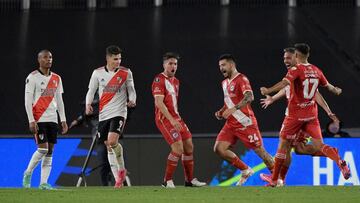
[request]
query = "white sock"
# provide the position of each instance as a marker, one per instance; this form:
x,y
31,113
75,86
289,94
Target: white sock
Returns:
x,y
113,165
46,165
35,159
118,151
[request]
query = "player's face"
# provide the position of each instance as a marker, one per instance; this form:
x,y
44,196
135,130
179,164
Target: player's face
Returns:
x,y
113,61
45,59
289,59
170,67
226,68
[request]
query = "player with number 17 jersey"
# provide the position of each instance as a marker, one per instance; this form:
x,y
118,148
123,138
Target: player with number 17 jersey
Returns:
x,y
304,80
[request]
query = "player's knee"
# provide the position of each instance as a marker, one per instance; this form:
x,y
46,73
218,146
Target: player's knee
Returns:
x,y
43,150
219,150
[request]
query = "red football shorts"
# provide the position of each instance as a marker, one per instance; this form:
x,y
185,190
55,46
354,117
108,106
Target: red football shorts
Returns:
x,y
250,136
170,134
292,126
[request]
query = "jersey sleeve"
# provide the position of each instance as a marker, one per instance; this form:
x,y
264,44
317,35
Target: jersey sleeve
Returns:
x,y
322,79
130,86
29,96
60,88
93,86
158,86
292,74
245,84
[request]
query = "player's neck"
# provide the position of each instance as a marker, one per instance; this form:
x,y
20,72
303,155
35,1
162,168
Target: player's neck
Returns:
x,y
45,71
110,68
233,74
303,61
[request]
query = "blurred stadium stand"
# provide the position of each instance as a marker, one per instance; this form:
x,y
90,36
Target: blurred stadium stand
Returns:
x,y
17,5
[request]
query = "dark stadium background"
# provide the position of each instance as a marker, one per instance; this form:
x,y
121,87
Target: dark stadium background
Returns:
x,y
255,32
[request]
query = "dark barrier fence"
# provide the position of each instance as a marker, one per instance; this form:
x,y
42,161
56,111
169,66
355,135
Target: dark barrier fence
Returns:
x,y
18,5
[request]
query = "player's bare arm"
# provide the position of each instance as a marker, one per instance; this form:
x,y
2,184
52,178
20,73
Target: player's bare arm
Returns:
x,y
277,87
159,102
218,114
322,102
248,98
64,127
271,99
335,90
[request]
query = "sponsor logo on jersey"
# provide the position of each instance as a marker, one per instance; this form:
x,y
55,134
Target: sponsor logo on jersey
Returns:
x,y
119,79
157,79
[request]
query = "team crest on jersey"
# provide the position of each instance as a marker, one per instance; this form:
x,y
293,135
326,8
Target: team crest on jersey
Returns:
x,y
102,80
157,79
119,79
55,82
174,134
232,87
42,83
41,136
27,81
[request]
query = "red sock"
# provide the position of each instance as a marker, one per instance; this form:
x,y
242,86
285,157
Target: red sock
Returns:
x,y
279,160
271,168
283,171
331,152
318,153
238,163
188,163
171,165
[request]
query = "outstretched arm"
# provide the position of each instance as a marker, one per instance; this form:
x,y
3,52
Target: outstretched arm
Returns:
x,y
277,87
271,99
321,101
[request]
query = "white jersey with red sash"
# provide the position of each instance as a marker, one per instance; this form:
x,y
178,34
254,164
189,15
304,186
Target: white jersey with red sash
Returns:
x,y
113,87
43,91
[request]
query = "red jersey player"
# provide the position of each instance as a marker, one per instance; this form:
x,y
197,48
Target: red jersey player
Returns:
x,y
240,123
304,79
299,144
165,89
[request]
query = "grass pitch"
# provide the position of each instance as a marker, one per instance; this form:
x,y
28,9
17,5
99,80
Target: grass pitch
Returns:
x,y
323,194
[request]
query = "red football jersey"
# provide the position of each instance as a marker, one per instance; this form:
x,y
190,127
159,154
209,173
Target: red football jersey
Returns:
x,y
233,93
304,79
169,88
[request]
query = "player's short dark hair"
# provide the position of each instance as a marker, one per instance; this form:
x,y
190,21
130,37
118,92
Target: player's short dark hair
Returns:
x,y
43,51
302,48
170,55
289,50
227,57
113,50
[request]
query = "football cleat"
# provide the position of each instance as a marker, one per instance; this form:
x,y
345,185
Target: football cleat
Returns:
x,y
122,176
168,184
344,169
46,186
194,183
26,180
245,174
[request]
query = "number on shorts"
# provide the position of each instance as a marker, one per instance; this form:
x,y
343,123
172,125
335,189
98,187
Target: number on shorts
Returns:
x,y
253,138
310,94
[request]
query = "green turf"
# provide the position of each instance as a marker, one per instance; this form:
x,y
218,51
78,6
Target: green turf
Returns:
x,y
181,194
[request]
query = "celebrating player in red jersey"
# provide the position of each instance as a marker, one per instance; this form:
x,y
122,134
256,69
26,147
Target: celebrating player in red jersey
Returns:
x,y
304,79
165,89
43,99
299,144
240,123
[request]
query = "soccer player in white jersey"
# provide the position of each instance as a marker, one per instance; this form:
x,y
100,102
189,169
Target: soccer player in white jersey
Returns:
x,y
43,99
116,90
